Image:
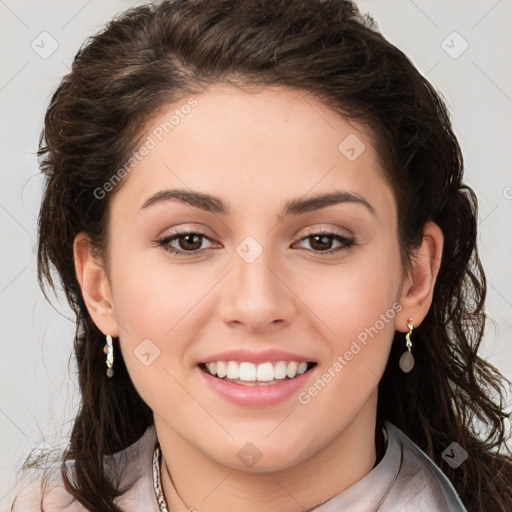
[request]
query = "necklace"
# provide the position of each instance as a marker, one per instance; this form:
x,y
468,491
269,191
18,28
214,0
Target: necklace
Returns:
x,y
162,504
157,484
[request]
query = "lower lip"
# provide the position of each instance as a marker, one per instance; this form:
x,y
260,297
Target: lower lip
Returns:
x,y
256,396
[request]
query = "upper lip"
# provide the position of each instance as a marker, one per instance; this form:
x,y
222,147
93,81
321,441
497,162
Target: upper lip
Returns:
x,y
270,355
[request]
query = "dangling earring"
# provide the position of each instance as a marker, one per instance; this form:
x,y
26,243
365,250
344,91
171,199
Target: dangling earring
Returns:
x,y
109,350
406,362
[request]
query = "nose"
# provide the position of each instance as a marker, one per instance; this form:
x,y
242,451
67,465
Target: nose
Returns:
x,y
257,295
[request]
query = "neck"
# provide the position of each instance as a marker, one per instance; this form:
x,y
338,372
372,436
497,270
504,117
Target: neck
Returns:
x,y
208,486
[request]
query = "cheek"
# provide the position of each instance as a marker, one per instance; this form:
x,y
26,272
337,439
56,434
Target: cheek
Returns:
x,y
156,306
352,296
150,298
355,305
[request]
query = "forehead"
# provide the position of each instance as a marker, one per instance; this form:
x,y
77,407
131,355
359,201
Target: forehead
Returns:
x,y
254,149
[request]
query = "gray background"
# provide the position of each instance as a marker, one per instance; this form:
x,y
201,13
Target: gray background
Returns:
x,y
38,391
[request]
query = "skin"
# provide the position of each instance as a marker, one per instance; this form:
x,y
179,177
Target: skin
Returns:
x,y
256,150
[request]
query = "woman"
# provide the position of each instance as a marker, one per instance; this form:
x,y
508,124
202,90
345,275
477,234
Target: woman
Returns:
x,y
257,213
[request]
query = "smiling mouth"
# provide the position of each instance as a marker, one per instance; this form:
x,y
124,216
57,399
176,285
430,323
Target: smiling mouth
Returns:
x,y
250,374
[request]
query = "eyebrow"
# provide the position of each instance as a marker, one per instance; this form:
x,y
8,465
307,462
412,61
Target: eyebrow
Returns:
x,y
216,205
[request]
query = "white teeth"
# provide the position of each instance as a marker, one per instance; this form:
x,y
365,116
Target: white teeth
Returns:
x,y
251,372
291,370
247,371
265,372
233,370
280,370
221,369
302,368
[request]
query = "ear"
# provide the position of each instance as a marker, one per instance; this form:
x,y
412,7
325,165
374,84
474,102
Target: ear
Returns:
x,y
95,285
418,285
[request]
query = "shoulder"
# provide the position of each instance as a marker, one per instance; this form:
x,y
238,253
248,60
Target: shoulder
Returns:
x,y
421,485
44,489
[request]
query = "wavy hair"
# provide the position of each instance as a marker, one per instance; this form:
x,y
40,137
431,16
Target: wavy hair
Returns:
x,y
160,53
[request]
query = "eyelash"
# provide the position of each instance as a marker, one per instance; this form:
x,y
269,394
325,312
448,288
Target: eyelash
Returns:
x,y
164,242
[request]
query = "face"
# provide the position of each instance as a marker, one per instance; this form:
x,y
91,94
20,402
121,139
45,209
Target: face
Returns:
x,y
268,273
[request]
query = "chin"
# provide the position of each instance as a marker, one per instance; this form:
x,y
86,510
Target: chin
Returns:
x,y
261,457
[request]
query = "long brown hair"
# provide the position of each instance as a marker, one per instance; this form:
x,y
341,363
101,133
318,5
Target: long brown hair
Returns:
x,y
162,52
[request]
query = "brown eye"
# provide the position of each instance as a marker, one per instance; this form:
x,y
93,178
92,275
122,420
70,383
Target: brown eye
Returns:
x,y
189,242
322,242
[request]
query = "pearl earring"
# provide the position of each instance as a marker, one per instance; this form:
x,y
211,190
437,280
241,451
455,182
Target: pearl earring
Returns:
x,y
109,350
406,362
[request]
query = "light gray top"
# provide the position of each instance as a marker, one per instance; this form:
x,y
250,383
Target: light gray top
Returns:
x,y
405,480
